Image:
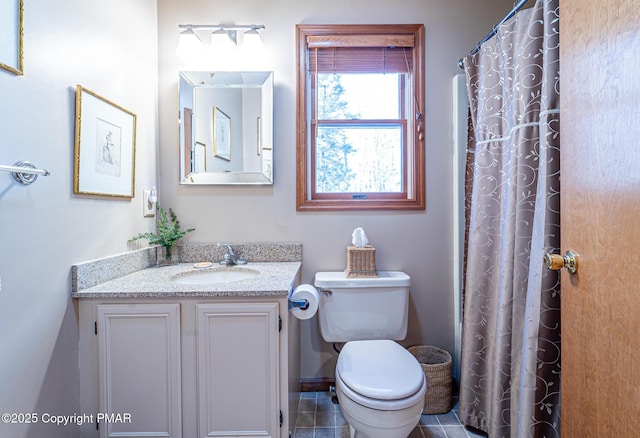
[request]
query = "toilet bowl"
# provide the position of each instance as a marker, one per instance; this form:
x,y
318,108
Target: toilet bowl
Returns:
x,y
379,384
380,387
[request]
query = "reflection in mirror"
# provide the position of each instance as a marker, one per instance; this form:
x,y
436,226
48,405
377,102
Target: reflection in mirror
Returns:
x,y
226,127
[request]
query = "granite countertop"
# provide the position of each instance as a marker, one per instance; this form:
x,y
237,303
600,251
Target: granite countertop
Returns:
x,y
274,279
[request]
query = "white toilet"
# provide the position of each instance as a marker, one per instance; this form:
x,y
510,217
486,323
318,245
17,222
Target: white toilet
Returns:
x,y
379,384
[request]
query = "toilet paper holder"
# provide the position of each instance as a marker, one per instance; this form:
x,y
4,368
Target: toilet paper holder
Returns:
x,y
303,301
304,304
298,304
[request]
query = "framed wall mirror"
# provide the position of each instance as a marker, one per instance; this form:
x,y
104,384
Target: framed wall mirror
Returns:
x,y
226,127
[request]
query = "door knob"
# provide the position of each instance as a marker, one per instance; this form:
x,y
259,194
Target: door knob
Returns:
x,y
555,262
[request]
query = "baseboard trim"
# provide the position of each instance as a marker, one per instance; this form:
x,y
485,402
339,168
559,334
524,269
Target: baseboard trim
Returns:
x,y
316,384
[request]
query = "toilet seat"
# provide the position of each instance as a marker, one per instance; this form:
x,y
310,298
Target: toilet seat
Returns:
x,y
380,374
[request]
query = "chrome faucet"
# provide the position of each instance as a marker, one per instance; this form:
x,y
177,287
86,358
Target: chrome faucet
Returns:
x,y
230,257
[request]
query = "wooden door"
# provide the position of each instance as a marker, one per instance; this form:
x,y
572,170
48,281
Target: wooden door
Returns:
x,y
600,106
188,141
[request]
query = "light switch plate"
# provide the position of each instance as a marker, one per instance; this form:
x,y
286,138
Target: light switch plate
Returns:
x,y
148,209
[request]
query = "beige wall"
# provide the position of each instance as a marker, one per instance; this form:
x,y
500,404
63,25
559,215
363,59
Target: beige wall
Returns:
x,y
110,48
419,243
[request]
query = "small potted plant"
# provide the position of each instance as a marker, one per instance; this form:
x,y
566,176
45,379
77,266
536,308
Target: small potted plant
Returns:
x,y
168,232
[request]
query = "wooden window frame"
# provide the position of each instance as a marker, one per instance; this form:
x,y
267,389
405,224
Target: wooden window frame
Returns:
x,y
413,197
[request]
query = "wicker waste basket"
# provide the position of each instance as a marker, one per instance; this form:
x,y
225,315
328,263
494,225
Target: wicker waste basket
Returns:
x,y
436,364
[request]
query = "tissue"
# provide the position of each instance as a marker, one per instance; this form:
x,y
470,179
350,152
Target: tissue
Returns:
x,y
359,238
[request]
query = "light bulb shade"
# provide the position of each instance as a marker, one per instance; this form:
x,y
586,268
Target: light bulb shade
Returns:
x,y
221,40
189,44
252,40
188,38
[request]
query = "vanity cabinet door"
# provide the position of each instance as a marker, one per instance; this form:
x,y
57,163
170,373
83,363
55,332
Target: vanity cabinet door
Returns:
x,y
238,369
139,370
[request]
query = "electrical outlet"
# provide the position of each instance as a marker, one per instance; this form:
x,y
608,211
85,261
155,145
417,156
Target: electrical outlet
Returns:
x,y
148,208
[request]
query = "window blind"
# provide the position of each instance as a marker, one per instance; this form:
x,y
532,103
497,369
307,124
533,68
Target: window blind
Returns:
x,y
360,60
360,53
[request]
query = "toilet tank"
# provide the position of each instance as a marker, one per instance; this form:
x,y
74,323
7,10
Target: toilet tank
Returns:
x,y
354,309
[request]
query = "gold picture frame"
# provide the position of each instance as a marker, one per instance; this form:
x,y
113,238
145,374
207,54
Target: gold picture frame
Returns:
x,y
105,146
12,31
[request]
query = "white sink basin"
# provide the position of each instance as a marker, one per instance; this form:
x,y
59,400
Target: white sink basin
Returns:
x,y
221,275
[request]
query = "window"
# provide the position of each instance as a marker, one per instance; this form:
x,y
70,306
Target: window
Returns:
x,y
359,117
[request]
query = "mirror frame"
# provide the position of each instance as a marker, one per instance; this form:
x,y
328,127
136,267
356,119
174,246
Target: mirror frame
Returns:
x,y
223,151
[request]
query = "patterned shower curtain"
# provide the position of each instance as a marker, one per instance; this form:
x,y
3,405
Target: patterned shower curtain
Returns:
x,y
510,370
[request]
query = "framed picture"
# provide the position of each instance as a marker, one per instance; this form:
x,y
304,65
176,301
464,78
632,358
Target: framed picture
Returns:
x,y
200,158
105,147
221,134
12,35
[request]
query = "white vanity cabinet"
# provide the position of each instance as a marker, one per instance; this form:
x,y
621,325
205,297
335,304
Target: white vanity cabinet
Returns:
x,y
139,370
188,367
237,369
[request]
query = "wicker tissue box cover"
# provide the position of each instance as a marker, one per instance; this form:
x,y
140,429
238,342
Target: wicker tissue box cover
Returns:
x,y
361,262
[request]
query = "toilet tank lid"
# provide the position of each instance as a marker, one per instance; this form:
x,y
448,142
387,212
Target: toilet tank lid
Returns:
x,y
339,279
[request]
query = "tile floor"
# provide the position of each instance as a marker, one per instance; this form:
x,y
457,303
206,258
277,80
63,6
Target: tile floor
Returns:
x,y
319,417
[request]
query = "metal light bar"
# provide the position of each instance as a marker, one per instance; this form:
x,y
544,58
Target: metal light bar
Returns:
x,y
222,26
224,36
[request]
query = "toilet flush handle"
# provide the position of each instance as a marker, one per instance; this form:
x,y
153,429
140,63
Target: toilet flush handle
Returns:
x,y
555,262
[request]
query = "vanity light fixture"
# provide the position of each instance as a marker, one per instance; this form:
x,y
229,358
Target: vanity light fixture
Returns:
x,y
222,37
189,44
252,40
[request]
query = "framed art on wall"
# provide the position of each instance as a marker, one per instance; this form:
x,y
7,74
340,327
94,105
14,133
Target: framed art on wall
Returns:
x,y
105,143
221,134
12,35
200,157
